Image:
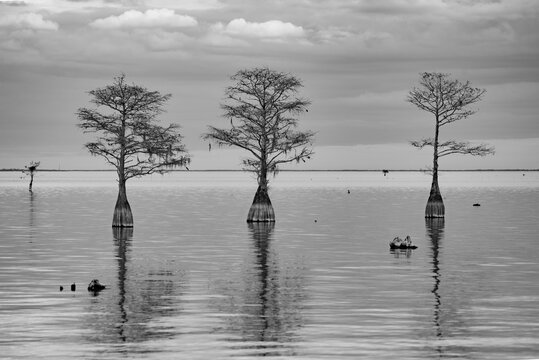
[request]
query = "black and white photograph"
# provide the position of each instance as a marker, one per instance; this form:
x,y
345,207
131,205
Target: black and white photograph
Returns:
x,y
301,179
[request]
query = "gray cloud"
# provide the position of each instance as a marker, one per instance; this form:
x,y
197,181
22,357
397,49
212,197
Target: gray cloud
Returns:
x,y
31,21
12,3
152,18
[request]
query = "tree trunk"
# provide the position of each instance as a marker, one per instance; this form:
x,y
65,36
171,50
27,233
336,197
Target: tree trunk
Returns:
x,y
261,210
435,205
123,217
31,181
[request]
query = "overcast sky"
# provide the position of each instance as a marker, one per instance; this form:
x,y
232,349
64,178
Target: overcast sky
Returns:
x,y
357,60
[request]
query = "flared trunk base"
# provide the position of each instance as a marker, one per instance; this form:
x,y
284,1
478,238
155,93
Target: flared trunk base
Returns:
x,y
261,213
435,204
123,217
435,207
261,210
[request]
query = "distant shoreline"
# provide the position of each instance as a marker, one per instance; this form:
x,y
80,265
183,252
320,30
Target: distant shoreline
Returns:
x,y
288,170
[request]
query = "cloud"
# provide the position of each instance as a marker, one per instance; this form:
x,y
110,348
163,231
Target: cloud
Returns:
x,y
269,29
399,7
160,40
216,36
157,18
185,4
394,98
332,34
13,3
73,7
27,21
493,9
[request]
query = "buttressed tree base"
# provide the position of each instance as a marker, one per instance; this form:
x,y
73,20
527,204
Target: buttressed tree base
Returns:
x,y
261,210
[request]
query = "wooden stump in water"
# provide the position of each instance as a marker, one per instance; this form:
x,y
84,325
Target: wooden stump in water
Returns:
x,y
261,210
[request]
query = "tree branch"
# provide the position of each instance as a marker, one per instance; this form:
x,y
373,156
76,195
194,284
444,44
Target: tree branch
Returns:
x,y
464,147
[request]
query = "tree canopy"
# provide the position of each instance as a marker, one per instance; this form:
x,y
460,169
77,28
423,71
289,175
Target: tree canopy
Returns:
x,y
448,100
128,135
262,107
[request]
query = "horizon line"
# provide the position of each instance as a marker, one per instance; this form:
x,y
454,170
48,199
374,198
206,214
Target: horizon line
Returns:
x,y
284,170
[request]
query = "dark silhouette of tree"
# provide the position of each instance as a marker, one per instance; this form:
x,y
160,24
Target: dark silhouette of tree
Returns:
x,y
263,107
448,101
31,169
129,138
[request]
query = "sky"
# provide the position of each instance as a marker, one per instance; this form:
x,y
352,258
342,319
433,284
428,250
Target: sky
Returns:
x,y
357,61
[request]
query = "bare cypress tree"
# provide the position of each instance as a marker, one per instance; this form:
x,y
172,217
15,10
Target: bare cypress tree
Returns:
x,y
30,169
262,107
448,101
129,138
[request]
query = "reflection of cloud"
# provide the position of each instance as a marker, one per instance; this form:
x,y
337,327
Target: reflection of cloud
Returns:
x,y
27,21
150,18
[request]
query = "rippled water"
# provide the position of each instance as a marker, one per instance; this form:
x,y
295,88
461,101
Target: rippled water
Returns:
x,y
194,281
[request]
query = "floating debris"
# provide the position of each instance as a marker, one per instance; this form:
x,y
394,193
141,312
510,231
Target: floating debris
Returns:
x,y
398,243
477,204
95,286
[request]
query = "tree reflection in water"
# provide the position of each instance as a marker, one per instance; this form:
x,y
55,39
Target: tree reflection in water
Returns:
x,y
31,225
435,232
130,310
265,306
122,241
268,286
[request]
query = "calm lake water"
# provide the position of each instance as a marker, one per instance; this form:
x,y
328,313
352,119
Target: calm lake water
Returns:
x,y
193,281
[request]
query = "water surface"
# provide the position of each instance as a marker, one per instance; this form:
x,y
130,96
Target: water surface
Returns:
x,y
193,281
